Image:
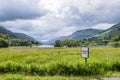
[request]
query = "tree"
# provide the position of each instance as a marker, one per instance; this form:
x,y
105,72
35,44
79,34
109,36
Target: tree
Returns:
x,y
20,42
4,40
67,43
114,44
71,43
3,43
116,38
58,43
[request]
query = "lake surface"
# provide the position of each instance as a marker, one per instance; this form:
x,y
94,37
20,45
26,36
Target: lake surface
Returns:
x,y
45,46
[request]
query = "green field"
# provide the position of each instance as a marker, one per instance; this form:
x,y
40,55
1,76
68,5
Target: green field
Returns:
x,y
58,63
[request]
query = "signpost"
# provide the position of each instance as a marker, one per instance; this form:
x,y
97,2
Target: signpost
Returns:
x,y
85,53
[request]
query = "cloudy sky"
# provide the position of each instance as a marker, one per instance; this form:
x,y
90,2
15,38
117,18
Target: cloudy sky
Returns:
x,y
46,19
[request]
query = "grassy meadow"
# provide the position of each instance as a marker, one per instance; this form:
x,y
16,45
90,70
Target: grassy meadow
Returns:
x,y
57,63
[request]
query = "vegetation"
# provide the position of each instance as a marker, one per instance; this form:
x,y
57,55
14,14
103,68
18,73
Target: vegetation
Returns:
x,y
86,42
67,43
8,38
78,35
84,34
23,77
4,40
59,62
109,37
110,33
114,42
22,42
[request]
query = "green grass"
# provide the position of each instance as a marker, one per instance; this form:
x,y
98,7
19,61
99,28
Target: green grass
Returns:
x,y
38,63
24,77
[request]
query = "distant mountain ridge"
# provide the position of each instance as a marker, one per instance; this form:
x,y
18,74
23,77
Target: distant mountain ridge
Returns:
x,y
84,34
78,35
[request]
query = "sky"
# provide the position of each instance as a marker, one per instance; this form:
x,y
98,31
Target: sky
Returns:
x,y
47,19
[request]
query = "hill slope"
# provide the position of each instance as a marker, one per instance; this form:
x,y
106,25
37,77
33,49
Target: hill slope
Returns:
x,y
6,31
15,35
78,35
84,34
24,36
110,33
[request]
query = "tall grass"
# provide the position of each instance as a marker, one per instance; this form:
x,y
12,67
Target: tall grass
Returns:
x,y
66,61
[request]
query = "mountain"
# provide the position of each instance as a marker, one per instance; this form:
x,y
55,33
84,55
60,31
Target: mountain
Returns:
x,y
110,33
6,31
3,30
24,36
78,35
15,35
52,41
84,34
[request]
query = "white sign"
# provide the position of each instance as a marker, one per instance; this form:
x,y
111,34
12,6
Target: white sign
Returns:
x,y
85,52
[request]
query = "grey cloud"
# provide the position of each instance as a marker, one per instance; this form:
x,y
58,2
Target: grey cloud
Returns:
x,y
106,12
20,9
72,16
96,13
58,21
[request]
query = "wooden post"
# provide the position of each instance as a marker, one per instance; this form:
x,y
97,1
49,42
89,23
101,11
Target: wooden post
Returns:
x,y
85,60
85,53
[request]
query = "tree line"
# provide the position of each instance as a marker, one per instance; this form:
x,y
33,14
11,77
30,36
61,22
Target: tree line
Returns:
x,y
114,42
6,41
66,43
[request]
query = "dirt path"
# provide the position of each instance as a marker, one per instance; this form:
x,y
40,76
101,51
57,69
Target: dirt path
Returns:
x,y
113,78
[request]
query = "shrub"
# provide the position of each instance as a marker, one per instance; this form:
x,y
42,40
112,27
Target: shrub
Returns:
x,y
116,66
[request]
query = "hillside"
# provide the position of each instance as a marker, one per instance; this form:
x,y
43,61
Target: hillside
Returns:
x,y
15,35
8,38
6,31
78,35
84,34
110,33
24,36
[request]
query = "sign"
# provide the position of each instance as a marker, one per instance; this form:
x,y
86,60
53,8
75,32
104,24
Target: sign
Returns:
x,y
85,52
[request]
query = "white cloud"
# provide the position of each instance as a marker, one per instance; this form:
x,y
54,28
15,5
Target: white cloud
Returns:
x,y
43,28
102,26
46,19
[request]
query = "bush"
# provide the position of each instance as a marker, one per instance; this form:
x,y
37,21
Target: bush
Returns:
x,y
3,43
114,44
116,66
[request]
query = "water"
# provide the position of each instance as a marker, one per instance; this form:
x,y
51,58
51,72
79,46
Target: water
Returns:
x,y
45,46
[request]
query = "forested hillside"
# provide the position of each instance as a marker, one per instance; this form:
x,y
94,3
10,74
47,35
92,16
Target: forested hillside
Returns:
x,y
8,38
84,34
109,37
